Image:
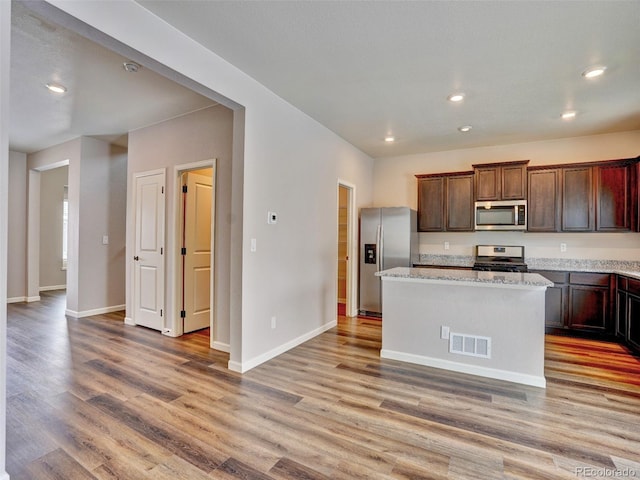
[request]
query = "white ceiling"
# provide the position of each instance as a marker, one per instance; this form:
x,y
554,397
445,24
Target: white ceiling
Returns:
x,y
364,69
102,99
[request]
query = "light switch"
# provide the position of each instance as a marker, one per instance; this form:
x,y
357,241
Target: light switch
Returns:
x,y
105,239
253,244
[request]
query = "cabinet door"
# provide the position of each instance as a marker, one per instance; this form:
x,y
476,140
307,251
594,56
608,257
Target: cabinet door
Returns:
x,y
555,298
431,204
621,314
588,308
613,200
577,199
633,321
460,203
543,202
488,184
555,306
514,182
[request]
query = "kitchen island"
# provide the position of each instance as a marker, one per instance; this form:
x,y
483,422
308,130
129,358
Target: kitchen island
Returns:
x,y
482,323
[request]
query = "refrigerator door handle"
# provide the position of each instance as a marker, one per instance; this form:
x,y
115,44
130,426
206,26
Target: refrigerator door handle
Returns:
x,y
380,242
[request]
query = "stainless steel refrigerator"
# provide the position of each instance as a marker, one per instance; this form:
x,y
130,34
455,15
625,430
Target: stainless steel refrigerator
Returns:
x,y
388,239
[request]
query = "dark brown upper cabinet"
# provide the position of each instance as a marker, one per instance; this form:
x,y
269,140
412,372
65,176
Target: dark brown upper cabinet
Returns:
x,y
585,197
543,199
445,202
613,197
578,213
501,181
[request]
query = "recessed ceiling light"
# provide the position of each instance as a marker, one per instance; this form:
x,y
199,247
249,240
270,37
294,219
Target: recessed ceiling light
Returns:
x,y
56,87
456,97
389,139
569,115
593,72
465,128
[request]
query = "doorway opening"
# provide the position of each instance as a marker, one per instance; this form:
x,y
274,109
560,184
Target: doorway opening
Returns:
x,y
195,240
346,299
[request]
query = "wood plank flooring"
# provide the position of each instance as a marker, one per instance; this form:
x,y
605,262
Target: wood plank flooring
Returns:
x,y
96,399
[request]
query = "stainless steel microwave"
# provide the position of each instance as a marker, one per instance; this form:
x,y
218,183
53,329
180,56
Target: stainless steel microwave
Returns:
x,y
501,215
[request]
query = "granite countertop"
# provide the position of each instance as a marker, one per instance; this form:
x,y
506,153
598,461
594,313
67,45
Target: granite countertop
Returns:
x,y
467,277
622,267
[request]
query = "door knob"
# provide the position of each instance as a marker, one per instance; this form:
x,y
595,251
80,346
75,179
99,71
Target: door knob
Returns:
x,y
136,258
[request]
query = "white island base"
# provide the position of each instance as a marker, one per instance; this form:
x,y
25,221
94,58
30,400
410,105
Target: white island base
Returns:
x,y
496,320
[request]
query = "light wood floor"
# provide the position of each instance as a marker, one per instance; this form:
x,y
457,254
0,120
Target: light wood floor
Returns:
x,y
93,398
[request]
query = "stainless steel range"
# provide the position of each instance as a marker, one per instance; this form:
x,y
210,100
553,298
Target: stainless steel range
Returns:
x,y
500,258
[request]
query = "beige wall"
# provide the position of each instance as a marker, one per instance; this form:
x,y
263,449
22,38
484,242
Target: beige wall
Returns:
x,y
97,207
199,136
17,241
52,183
395,185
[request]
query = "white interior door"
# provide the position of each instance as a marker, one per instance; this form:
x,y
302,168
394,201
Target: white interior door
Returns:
x,y
198,200
148,302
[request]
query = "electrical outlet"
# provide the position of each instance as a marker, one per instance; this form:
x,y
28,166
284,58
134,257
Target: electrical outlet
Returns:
x,y
444,332
563,247
446,245
273,322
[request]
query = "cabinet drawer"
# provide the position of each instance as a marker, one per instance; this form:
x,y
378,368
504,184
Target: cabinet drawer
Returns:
x,y
584,278
622,283
634,286
554,276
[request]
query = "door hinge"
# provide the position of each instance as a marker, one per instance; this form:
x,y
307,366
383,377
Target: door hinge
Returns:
x,y
161,250
183,314
160,312
162,191
184,189
183,251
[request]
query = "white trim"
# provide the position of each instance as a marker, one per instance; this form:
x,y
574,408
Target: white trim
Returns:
x,y
33,299
260,359
222,347
533,380
95,311
351,307
4,476
16,299
53,287
178,170
129,321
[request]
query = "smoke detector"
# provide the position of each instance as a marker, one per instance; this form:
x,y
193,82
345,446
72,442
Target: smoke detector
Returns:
x,y
131,67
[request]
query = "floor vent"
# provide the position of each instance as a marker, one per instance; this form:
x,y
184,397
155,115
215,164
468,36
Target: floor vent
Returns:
x,y
472,345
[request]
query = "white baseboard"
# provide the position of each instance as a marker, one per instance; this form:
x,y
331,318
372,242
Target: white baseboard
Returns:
x,y
96,311
4,476
506,375
16,299
242,367
222,347
33,299
129,321
53,287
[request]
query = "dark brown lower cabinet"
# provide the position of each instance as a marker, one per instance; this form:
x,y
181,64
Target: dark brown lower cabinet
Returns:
x,y
556,307
633,321
579,302
589,308
628,311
